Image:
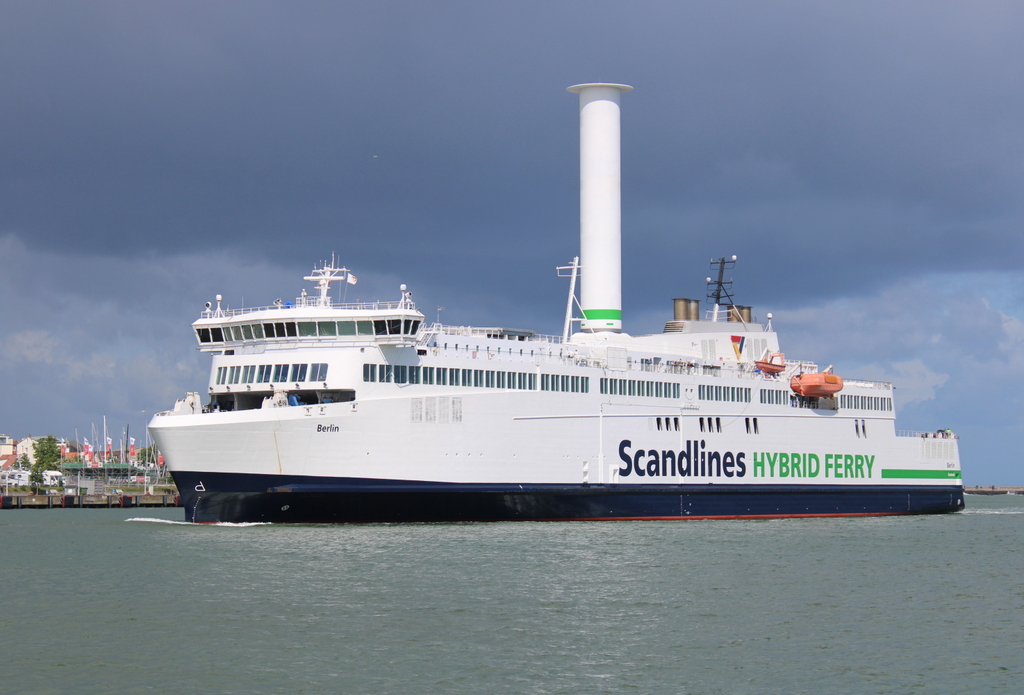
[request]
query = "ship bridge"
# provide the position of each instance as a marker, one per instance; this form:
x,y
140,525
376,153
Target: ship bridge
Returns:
x,y
310,321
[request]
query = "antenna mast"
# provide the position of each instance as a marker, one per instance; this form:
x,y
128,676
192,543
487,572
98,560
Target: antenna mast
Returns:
x,y
718,290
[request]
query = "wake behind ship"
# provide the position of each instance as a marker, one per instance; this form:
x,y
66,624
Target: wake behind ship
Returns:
x,y
320,411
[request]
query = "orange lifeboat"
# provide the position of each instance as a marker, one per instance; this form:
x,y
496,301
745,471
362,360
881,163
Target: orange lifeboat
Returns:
x,y
822,385
776,364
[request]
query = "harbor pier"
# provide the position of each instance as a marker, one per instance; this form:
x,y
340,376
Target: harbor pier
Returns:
x,y
86,501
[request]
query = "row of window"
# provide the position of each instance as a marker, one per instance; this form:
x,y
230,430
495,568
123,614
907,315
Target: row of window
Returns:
x,y
445,376
733,394
449,376
307,329
710,424
632,387
714,424
562,382
866,402
271,373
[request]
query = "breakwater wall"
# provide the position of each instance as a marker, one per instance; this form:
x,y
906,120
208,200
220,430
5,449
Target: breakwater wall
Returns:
x,y
993,490
86,501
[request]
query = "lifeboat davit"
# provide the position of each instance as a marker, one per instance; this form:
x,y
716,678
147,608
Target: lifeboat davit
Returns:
x,y
822,385
776,364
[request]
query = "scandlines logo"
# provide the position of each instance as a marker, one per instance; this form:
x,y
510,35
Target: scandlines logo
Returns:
x,y
693,460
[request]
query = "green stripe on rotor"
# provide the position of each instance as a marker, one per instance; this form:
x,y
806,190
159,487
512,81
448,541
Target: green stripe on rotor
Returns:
x,y
593,314
905,473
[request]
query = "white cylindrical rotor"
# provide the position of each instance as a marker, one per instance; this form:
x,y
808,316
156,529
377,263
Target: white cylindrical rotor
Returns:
x,y
600,207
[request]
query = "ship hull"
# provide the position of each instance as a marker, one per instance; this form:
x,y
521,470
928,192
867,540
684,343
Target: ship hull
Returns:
x,y
241,498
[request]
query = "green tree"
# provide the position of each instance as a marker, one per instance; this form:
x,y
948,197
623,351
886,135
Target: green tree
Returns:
x,y
147,454
47,453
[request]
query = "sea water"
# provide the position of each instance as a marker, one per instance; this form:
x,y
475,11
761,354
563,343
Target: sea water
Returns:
x,y
132,601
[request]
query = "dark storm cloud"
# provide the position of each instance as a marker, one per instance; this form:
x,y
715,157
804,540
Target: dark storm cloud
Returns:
x,y
439,136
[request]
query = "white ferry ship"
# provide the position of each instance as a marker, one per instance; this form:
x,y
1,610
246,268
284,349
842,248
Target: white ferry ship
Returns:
x,y
320,411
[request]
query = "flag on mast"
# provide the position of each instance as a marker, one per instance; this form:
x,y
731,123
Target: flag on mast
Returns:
x,y
351,279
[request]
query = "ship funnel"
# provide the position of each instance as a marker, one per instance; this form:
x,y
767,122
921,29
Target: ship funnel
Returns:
x,y
600,207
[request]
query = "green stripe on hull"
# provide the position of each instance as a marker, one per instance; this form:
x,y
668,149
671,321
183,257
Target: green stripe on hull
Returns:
x,y
592,314
905,473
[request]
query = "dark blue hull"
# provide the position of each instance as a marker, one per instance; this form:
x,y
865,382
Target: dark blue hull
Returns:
x,y
237,498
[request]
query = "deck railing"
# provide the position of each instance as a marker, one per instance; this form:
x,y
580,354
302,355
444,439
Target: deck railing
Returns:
x,y
309,303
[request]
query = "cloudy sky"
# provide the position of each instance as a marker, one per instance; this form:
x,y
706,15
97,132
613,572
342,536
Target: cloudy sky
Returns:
x,y
864,160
